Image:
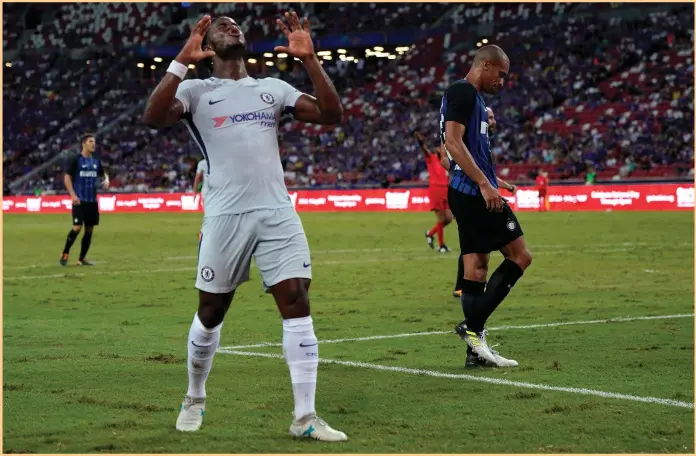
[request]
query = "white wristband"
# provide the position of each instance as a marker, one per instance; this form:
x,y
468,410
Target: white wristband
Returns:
x,y
178,69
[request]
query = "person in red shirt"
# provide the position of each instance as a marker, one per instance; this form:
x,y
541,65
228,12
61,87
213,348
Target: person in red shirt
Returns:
x,y
542,184
438,182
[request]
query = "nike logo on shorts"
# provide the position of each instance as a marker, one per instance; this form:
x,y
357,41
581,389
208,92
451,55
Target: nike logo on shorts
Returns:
x,y
306,265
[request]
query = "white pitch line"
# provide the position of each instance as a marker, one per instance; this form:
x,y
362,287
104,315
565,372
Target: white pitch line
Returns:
x,y
69,275
431,257
191,268
535,248
495,381
42,266
498,328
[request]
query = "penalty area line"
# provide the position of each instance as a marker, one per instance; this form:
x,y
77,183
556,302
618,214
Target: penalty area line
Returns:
x,y
498,328
490,380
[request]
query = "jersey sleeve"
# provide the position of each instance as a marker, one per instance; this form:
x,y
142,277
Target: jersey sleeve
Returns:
x,y
461,99
71,165
288,96
188,93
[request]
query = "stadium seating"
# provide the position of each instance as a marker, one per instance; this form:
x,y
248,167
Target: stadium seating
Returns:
x,y
611,94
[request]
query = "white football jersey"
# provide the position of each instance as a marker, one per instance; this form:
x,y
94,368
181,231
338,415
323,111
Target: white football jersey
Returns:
x,y
235,124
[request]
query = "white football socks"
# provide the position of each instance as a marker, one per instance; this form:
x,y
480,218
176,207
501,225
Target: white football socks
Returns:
x,y
301,352
202,343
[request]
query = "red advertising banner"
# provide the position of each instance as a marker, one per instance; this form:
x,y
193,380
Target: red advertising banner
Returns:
x,y
623,197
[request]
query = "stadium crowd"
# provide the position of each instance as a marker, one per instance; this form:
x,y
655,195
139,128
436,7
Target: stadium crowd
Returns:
x,y
586,93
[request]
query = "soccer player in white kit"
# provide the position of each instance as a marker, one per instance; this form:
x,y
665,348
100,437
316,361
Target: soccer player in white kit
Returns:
x,y
248,212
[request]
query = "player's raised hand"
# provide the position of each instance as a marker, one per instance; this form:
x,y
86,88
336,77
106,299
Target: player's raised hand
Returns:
x,y
192,51
494,202
299,36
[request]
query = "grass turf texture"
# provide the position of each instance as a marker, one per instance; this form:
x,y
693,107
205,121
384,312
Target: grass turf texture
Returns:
x,y
95,358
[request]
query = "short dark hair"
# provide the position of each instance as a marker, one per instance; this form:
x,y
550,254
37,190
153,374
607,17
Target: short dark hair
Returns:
x,y
86,136
491,53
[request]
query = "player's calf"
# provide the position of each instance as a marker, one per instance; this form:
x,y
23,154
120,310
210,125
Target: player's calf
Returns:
x,y
517,260
72,237
203,341
86,243
301,353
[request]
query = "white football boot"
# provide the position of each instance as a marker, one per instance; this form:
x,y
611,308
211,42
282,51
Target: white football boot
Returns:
x,y
191,414
315,428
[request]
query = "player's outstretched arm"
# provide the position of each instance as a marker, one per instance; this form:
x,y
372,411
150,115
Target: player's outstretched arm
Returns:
x,y
326,108
163,109
419,138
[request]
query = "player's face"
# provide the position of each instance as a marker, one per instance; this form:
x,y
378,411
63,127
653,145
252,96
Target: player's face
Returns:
x,y
491,120
90,144
225,37
494,75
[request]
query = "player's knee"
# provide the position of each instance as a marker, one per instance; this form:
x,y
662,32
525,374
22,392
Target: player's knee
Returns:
x,y
299,299
480,274
523,259
89,229
77,228
476,274
292,297
213,307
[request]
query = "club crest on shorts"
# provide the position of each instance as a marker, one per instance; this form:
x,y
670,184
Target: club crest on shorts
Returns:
x,y
267,98
207,274
511,225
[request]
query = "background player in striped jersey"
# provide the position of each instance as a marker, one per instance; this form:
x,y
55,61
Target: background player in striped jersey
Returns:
x,y
248,212
437,193
484,220
82,177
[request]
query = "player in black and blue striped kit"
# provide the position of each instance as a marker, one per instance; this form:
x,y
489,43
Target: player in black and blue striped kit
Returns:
x,y
485,222
82,177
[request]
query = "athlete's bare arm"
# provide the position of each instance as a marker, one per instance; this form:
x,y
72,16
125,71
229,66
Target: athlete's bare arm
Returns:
x,y
419,138
326,107
444,161
196,182
163,109
509,187
69,186
455,147
70,170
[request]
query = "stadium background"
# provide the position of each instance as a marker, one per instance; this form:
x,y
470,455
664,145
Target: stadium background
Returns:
x,y
598,92
600,96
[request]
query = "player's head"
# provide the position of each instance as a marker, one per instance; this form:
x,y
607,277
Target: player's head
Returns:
x,y
225,37
88,143
493,66
491,119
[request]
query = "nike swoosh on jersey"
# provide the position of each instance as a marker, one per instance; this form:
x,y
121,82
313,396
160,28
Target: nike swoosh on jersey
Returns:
x,y
211,102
